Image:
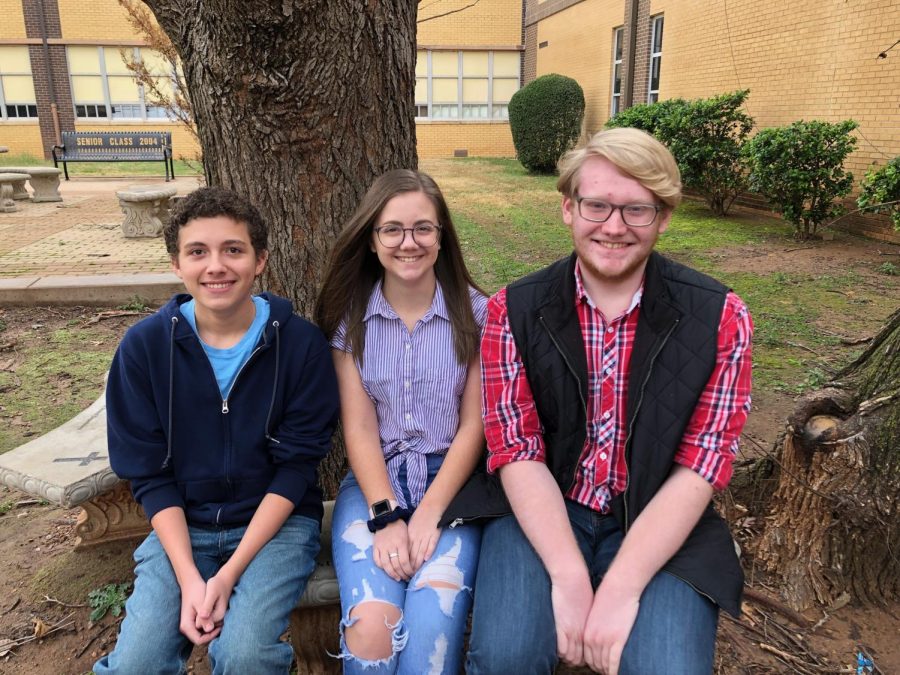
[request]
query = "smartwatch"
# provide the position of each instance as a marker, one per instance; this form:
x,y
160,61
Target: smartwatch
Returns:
x,y
381,508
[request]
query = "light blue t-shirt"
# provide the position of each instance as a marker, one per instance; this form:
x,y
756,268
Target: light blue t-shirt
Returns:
x,y
227,362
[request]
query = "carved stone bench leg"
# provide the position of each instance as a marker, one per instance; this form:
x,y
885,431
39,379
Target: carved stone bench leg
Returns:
x,y
111,516
314,633
7,205
46,187
19,191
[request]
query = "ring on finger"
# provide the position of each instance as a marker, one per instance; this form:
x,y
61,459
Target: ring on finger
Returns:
x,y
395,554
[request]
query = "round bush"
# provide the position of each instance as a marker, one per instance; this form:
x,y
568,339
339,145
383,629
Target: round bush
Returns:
x,y
545,118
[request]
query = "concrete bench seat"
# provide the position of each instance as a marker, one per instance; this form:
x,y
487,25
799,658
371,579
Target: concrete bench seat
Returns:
x,y
146,209
44,182
69,466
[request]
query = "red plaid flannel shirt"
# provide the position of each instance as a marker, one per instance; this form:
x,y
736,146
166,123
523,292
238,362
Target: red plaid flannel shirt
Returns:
x,y
513,429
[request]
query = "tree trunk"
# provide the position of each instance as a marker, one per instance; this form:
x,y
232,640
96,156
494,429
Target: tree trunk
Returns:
x,y
834,523
299,105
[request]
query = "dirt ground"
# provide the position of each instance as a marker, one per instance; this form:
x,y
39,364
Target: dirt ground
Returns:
x,y
45,582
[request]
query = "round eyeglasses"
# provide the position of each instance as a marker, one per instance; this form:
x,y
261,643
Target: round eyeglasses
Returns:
x,y
633,215
425,235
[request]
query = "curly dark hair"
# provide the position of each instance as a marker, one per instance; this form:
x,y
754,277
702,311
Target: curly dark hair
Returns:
x,y
209,202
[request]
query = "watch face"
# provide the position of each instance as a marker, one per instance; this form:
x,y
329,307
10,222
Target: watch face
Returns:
x,y
381,508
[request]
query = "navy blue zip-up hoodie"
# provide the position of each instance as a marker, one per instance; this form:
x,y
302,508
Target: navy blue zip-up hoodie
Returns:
x,y
180,444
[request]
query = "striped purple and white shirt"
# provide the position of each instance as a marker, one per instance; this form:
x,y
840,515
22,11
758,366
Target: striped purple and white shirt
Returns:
x,y
416,383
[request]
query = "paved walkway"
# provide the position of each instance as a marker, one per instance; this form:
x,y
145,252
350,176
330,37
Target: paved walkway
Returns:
x,y
77,246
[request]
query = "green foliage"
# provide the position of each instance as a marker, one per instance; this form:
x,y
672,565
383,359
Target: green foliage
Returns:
x,y
651,117
6,506
705,136
135,304
799,169
110,598
889,268
879,191
545,119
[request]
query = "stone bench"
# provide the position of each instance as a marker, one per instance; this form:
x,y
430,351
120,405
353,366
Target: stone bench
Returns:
x,y
146,209
69,466
44,182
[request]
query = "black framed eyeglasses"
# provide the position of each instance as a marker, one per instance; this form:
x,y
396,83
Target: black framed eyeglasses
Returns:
x,y
633,215
425,235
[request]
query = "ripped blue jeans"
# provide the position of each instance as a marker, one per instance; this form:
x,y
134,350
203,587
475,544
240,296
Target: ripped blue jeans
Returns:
x,y
429,635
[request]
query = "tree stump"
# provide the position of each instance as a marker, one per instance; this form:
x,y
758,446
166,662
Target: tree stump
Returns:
x,y
834,522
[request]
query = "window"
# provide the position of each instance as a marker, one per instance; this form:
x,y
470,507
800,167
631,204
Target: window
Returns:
x,y
17,99
616,97
467,85
103,87
656,37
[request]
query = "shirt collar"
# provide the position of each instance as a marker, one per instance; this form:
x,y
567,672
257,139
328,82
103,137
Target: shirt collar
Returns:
x,y
582,296
379,305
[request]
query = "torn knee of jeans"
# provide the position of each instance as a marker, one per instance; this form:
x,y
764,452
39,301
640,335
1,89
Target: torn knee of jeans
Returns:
x,y
399,636
357,534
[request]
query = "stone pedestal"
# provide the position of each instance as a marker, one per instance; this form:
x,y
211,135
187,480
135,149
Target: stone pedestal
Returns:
x,y
8,183
110,516
45,183
146,209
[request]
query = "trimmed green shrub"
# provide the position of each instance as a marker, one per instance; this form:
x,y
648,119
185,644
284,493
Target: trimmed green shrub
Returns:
x,y
800,170
545,119
879,191
649,117
705,136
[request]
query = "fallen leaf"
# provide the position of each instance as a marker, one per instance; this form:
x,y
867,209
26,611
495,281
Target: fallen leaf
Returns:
x,y
40,628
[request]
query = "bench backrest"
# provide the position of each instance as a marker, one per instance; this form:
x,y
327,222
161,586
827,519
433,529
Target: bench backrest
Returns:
x,y
125,145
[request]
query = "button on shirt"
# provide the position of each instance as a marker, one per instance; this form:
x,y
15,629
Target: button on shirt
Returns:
x,y
513,429
415,382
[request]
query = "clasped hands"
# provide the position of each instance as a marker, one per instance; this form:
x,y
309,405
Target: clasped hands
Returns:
x,y
203,606
400,549
592,628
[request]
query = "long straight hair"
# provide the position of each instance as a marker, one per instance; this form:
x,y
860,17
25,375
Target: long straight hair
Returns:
x,y
354,269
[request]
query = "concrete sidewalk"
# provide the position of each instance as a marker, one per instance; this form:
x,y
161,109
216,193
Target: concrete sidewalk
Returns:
x,y
74,252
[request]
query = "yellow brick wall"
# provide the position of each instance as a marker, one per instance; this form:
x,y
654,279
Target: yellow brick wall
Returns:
x,y
579,45
12,19
800,60
487,23
94,20
441,139
183,144
21,138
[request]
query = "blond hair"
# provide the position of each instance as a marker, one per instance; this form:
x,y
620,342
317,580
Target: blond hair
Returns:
x,y
633,152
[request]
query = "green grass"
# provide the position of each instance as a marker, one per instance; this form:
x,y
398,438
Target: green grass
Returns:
x,y
53,384
109,169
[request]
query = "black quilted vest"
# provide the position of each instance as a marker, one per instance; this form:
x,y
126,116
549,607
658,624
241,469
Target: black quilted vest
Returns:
x,y
673,357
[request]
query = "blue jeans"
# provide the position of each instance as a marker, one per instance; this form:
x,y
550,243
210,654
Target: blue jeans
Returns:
x,y
429,635
513,629
258,611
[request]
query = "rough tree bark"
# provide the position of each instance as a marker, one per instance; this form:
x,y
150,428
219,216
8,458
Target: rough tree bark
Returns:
x,y
299,105
834,523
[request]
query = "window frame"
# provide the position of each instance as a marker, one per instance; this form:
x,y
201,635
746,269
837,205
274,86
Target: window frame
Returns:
x,y
107,104
4,103
618,47
657,27
460,106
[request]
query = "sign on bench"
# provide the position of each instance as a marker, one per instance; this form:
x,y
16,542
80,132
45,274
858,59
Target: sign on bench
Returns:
x,y
115,146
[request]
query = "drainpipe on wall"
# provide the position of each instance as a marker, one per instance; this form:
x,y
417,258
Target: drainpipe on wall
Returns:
x,y
628,84
54,109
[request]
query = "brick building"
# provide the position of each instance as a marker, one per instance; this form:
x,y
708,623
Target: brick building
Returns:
x,y
802,60
61,68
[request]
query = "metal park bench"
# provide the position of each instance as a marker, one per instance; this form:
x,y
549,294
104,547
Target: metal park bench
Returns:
x,y
115,146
